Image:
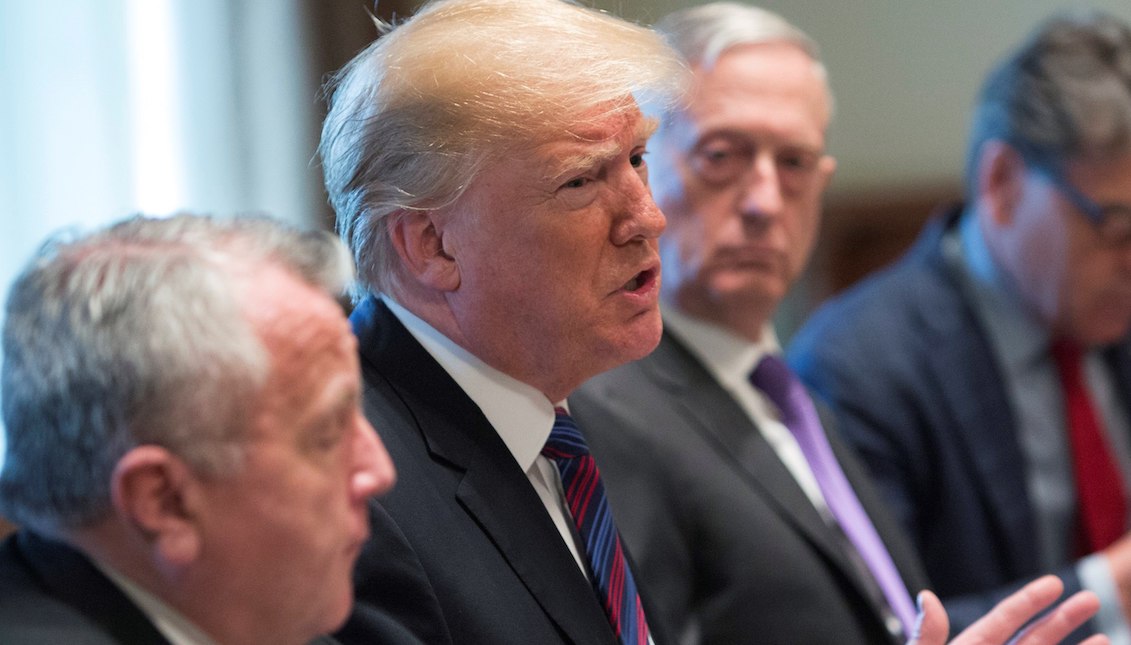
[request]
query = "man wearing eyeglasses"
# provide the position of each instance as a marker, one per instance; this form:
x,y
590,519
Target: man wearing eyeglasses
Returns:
x,y
986,377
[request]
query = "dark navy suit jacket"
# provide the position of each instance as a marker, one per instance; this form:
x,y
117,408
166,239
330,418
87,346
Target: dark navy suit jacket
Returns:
x,y
905,363
729,544
51,593
462,551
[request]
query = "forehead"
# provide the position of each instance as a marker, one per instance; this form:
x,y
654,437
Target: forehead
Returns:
x,y
308,340
770,90
594,138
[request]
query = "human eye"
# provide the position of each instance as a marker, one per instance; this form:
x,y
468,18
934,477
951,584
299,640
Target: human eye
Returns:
x,y
798,160
327,434
638,162
797,168
576,182
720,160
577,192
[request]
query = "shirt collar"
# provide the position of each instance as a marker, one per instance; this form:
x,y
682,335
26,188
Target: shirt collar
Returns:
x,y
171,623
521,415
727,356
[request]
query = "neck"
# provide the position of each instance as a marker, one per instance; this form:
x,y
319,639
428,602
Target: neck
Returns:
x,y
747,322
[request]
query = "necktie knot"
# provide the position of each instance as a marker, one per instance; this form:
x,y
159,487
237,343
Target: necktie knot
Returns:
x,y
1067,353
773,377
565,440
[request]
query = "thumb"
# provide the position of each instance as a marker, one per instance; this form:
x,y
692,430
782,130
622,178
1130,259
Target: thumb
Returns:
x,y
931,625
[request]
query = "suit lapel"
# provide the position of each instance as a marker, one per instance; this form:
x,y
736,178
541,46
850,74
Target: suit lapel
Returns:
x,y
964,372
713,413
493,489
71,578
1119,358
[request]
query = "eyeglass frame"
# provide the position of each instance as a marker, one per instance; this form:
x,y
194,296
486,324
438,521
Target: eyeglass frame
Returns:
x,y
1112,221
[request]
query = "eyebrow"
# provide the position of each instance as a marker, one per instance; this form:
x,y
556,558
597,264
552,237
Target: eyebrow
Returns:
x,y
602,152
747,138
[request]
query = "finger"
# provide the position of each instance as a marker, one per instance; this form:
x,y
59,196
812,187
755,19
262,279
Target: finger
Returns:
x,y
1098,639
1060,622
1010,614
932,625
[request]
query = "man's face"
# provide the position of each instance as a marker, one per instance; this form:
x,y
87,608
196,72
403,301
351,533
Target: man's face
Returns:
x,y
556,249
1075,281
739,174
287,528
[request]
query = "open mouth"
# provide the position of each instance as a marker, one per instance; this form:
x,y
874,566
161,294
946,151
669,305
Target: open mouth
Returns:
x,y
640,281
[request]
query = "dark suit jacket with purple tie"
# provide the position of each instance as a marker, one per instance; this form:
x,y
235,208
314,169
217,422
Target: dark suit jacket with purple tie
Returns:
x,y
462,550
730,547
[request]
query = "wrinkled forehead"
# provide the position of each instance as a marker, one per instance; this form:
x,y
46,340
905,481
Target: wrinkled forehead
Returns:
x,y
597,135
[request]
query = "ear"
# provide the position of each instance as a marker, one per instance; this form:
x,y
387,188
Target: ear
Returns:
x,y
826,168
1001,181
155,492
418,237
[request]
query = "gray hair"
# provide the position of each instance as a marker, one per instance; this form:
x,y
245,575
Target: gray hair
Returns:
x,y
132,335
415,116
1065,93
701,34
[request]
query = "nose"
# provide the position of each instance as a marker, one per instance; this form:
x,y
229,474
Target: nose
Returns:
x,y
641,218
372,471
760,195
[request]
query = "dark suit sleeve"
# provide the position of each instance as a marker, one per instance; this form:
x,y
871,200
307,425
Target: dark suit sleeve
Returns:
x,y
394,600
877,398
650,509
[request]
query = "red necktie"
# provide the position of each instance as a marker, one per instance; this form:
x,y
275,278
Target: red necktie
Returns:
x,y
1099,486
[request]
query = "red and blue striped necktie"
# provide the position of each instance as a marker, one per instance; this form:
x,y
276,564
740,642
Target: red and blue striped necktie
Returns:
x,y
585,495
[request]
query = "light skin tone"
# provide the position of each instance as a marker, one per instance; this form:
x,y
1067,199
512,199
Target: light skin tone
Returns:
x,y
740,174
547,267
1070,279
1076,283
265,554
1009,615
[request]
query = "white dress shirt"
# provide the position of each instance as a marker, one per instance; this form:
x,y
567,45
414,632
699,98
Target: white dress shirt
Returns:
x,y
730,359
521,415
176,629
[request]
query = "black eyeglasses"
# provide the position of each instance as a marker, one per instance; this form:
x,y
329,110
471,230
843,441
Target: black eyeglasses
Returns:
x,y
1111,221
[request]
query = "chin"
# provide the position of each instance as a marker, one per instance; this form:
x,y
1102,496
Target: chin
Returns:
x,y
335,616
646,336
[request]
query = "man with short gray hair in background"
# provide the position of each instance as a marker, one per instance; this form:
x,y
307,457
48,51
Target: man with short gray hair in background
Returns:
x,y
186,452
751,521
985,378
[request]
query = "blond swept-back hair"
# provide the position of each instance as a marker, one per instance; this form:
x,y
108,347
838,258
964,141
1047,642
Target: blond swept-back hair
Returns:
x,y
415,116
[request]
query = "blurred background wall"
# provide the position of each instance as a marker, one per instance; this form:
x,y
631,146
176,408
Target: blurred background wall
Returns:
x,y
116,106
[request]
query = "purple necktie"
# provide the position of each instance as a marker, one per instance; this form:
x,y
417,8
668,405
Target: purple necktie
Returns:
x,y
585,495
774,378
